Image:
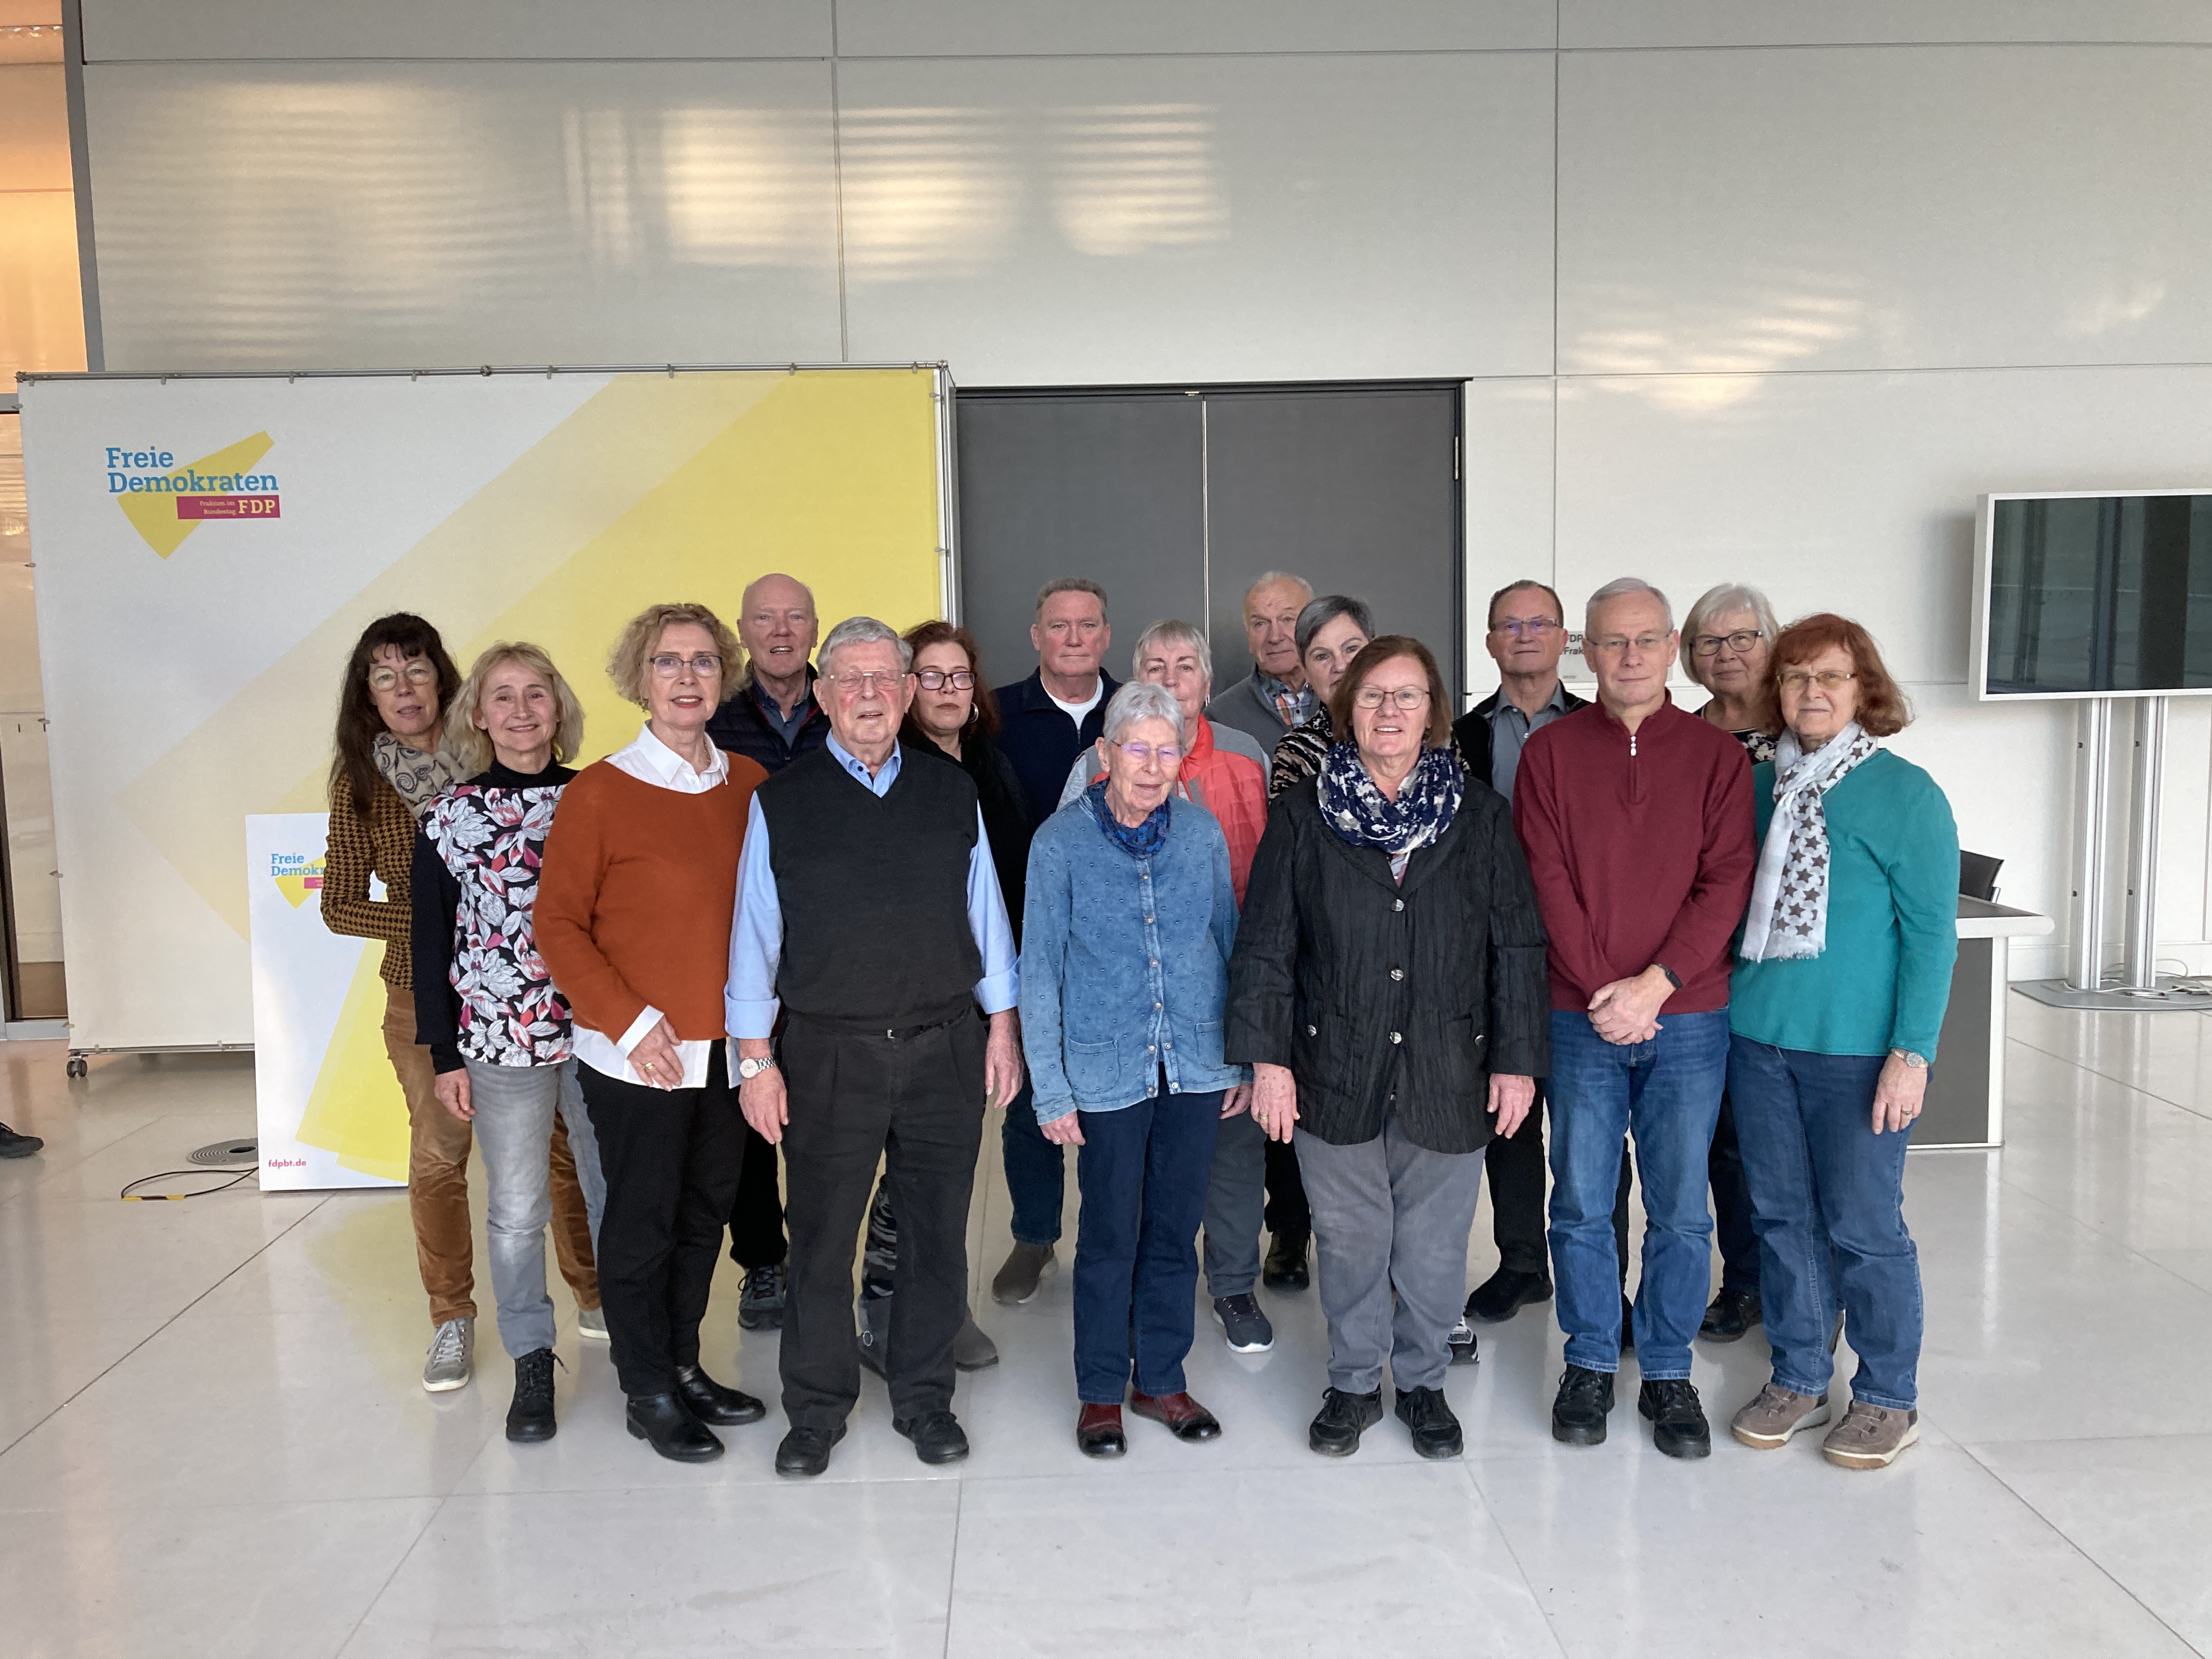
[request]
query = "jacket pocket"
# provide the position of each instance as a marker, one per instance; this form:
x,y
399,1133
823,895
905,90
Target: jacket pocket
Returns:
x,y
1466,1049
1206,1045
1094,1069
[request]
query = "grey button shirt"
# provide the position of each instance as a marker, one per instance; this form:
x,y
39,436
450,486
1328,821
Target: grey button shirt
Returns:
x,y
1510,729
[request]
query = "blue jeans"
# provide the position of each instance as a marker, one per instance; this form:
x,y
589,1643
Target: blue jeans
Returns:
x,y
1037,1173
1143,1171
1667,1094
514,1107
1828,1196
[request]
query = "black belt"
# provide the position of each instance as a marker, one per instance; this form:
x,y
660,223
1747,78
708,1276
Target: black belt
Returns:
x,y
891,1034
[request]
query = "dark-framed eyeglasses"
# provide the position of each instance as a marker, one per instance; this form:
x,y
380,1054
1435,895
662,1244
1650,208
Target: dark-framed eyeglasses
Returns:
x,y
1526,628
936,679
1740,641
1407,697
668,664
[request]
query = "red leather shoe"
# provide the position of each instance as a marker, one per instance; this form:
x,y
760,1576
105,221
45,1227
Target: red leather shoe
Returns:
x,y
1099,1432
1182,1417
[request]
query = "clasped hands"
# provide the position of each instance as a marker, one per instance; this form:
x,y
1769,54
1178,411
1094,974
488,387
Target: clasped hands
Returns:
x,y
1627,1010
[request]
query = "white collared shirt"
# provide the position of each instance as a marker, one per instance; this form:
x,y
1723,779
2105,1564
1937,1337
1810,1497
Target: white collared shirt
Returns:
x,y
651,760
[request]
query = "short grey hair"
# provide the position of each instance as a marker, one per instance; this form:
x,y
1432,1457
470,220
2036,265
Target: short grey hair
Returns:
x,y
1266,577
1320,612
1624,587
863,630
1718,601
1170,631
1071,585
1140,700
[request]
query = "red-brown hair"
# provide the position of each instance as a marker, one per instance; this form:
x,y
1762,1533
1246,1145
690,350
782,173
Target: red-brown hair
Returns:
x,y
1883,711
1372,655
944,633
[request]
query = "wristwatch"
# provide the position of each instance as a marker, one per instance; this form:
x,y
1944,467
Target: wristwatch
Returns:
x,y
749,1068
1917,1062
1673,978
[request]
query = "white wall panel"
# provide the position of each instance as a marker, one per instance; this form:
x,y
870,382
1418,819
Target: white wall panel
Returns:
x,y
168,30
1870,22
1877,207
1507,467
388,215
1062,220
972,28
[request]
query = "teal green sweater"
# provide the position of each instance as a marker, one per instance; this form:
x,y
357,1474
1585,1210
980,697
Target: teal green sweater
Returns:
x,y
1885,977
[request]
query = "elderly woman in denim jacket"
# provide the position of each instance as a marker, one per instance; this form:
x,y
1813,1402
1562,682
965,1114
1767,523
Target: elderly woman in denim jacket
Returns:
x,y
1130,921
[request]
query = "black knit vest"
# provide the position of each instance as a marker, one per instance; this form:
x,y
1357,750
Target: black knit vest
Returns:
x,y
874,892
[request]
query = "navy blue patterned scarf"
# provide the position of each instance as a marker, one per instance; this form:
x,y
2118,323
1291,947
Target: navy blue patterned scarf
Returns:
x,y
1141,842
1427,801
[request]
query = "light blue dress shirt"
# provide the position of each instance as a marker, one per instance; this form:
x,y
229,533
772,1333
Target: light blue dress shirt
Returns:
x,y
749,1000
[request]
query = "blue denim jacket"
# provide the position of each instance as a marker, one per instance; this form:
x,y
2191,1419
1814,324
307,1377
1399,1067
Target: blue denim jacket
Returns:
x,y
1125,964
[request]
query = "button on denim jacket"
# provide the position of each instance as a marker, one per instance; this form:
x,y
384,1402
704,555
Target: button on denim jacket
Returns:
x,y
1125,963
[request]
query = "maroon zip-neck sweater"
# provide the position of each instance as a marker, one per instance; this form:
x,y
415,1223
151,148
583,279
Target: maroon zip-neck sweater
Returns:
x,y
1642,850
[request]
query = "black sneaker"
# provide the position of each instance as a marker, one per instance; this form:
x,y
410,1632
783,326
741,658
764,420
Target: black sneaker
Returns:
x,y
1429,1415
530,1416
1505,1292
1733,1313
1678,1421
1579,1411
1343,1417
1243,1327
13,1145
937,1436
1286,1268
760,1305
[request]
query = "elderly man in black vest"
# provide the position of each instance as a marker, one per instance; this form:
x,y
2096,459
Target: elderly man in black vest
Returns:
x,y
899,953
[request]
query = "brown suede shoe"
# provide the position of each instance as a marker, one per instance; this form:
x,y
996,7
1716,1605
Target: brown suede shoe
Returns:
x,y
1767,1422
1182,1417
1870,1436
1099,1432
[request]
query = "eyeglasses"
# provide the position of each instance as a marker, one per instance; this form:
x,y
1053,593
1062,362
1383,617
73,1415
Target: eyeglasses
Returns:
x,y
1614,642
1709,645
1407,697
668,664
1526,628
1796,680
385,677
936,679
871,682
1167,753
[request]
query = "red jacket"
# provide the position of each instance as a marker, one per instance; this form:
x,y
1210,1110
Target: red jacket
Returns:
x,y
1642,850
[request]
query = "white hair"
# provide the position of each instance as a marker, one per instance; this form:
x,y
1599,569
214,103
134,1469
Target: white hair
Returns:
x,y
864,630
1170,632
1141,700
1268,576
1718,602
1624,587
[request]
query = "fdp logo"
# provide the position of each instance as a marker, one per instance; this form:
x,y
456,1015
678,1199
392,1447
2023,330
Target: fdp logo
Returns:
x,y
297,876
166,503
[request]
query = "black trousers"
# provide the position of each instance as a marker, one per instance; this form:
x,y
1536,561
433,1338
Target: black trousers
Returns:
x,y
915,1099
1516,1165
756,1215
670,1158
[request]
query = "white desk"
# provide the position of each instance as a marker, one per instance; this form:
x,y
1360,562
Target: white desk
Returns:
x,y
1965,1090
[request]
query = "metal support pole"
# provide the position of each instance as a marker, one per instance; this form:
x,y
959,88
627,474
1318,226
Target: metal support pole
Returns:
x,y
2092,780
2141,930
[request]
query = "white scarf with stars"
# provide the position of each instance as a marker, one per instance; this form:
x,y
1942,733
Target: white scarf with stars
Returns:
x,y
1788,920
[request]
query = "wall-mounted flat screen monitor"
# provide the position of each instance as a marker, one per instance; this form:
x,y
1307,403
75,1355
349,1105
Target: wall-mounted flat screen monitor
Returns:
x,y
2093,595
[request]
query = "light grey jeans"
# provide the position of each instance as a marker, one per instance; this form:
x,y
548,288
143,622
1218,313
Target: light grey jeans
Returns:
x,y
1388,1215
514,1107
1236,1206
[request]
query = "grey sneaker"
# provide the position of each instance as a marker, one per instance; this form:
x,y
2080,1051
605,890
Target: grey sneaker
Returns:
x,y
973,1351
451,1351
1768,1422
1244,1327
1024,1270
1870,1436
592,1324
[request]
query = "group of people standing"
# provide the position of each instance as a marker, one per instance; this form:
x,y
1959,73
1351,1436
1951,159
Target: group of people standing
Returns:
x,y
1290,965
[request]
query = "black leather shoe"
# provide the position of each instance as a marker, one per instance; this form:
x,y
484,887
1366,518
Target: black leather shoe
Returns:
x,y
1627,1323
1343,1417
14,1144
1678,1421
1286,1268
666,1422
710,1403
1733,1313
1505,1292
1429,1415
806,1451
1579,1411
530,1416
937,1436
1099,1432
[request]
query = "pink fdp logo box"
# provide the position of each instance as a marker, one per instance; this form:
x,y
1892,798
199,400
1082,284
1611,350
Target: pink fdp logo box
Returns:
x,y
228,506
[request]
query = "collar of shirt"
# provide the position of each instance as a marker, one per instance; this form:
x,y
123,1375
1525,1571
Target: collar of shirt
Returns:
x,y
651,760
880,784
1299,702
1555,704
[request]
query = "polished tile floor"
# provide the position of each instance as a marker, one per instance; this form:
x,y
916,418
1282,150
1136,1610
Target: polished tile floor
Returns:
x,y
213,1441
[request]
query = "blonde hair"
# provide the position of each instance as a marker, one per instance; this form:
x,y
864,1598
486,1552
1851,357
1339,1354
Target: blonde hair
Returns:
x,y
628,665
472,743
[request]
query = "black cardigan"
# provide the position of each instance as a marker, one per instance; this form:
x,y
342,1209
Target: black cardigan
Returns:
x,y
1362,985
1005,807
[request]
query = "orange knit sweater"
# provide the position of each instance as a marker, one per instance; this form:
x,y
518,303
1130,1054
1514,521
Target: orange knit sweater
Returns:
x,y
635,896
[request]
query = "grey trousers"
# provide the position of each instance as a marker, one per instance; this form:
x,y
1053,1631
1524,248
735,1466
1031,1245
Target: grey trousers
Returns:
x,y
1236,1204
514,1107
1389,1216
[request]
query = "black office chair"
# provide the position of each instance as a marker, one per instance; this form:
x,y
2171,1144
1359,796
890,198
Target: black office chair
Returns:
x,y
1978,875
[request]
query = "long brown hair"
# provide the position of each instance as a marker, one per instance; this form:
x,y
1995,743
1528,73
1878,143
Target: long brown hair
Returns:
x,y
986,705
355,764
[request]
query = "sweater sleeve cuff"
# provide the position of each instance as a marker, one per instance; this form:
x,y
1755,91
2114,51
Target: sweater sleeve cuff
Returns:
x,y
446,1057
